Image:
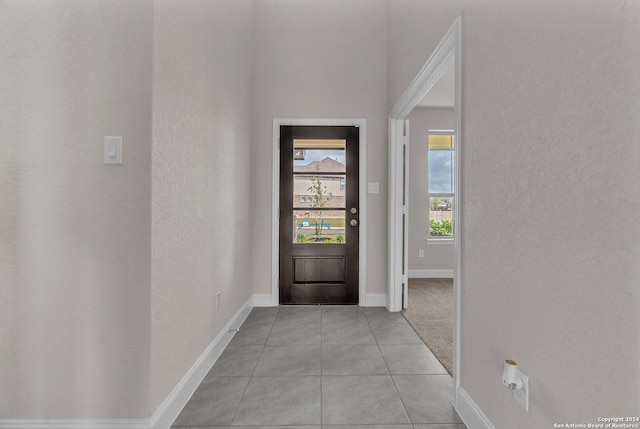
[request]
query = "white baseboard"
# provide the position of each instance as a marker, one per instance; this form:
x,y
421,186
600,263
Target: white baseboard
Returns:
x,y
171,407
375,300
74,424
262,300
371,300
166,414
430,274
169,410
470,413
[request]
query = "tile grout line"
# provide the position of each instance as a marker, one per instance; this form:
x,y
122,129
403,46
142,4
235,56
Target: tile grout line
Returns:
x,y
373,318
404,407
235,413
401,401
379,349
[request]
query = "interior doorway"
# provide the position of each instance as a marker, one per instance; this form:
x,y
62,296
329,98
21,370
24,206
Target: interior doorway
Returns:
x,y
428,298
446,54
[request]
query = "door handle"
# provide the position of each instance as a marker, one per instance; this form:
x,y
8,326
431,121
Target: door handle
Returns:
x,y
353,222
354,210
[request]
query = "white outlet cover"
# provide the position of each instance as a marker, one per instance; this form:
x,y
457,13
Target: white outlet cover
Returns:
x,y
522,395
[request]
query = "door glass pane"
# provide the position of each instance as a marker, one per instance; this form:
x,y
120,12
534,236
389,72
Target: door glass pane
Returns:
x,y
321,191
319,184
319,156
318,226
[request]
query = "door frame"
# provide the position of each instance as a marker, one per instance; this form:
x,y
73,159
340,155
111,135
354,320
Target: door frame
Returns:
x,y
446,53
362,199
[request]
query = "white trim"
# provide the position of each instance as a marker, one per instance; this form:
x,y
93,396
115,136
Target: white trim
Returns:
x,y
437,64
275,202
395,239
430,274
441,132
376,300
74,424
457,201
470,413
275,215
169,410
362,205
448,51
263,300
431,241
405,214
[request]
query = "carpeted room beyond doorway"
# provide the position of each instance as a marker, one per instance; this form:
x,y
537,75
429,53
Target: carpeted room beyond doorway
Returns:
x,y
430,313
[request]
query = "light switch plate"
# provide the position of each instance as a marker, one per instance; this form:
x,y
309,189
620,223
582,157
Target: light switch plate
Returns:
x,y
374,187
113,150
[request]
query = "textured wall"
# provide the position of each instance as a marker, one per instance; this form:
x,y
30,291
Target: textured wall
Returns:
x,y
550,108
415,28
320,59
201,141
551,102
436,256
74,233
551,126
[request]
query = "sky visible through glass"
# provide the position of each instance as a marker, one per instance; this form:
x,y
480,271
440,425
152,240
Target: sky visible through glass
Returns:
x,y
312,155
441,172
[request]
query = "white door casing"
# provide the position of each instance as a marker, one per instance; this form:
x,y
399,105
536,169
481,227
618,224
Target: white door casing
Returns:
x,y
446,53
275,226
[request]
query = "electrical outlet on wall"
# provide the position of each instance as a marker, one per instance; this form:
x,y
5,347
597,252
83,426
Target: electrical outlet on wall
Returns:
x,y
218,301
420,253
522,395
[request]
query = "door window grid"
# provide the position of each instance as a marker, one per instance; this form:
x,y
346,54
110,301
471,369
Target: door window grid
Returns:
x,y
319,170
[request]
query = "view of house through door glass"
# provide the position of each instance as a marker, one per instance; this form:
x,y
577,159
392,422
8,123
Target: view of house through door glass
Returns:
x,y
319,184
319,215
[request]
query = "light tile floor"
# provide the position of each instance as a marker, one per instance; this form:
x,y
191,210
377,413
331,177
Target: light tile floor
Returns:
x,y
330,367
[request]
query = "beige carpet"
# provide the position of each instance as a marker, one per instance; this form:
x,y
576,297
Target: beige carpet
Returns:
x,y
430,313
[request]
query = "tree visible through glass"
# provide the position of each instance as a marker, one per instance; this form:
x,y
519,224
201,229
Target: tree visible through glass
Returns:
x,y
319,183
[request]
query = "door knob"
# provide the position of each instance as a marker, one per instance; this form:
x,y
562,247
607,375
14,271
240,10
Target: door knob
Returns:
x,y
353,222
354,210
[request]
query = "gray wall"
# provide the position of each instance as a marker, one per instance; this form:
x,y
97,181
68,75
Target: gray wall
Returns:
x,y
74,233
438,256
201,152
550,106
311,62
109,274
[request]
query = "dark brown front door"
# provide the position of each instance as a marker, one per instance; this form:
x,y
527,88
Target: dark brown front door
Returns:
x,y
319,214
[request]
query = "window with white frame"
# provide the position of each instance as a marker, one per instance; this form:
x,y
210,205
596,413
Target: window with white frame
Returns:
x,y
441,184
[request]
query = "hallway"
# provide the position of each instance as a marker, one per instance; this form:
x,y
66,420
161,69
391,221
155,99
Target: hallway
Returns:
x,y
326,366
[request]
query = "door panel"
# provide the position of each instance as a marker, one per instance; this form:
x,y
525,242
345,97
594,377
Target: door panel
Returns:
x,y
318,204
325,269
